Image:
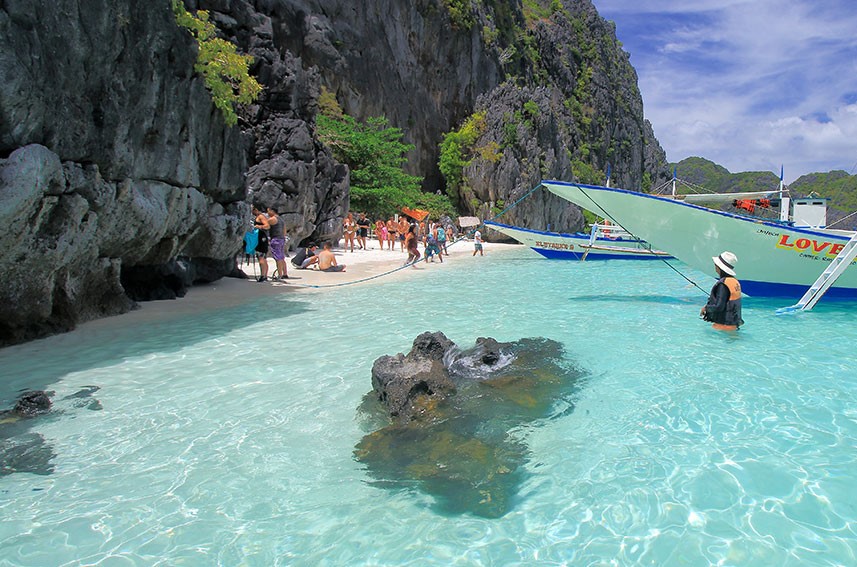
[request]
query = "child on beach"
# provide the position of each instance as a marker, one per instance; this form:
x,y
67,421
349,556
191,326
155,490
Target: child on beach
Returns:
x,y
432,248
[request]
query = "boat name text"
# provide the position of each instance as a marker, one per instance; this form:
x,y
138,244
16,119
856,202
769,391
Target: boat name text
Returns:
x,y
554,245
809,245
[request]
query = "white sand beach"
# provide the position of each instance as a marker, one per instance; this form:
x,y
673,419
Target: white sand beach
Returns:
x,y
363,268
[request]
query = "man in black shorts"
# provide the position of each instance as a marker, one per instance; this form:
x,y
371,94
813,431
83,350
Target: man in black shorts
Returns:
x,y
363,225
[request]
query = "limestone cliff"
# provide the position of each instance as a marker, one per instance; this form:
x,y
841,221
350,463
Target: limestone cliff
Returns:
x,y
120,181
427,69
113,158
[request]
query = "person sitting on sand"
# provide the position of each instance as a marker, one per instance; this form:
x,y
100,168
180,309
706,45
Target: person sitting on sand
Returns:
x,y
306,257
327,261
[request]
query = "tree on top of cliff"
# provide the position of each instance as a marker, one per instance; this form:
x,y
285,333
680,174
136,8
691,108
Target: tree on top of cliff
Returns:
x,y
224,69
375,154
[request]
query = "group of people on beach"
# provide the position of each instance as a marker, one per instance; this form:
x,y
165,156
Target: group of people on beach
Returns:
x,y
392,232
407,233
269,235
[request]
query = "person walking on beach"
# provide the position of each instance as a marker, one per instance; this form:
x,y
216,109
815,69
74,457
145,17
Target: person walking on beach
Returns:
x,y
350,230
441,239
477,243
381,232
260,221
277,242
723,309
327,261
432,248
363,224
392,233
403,232
411,243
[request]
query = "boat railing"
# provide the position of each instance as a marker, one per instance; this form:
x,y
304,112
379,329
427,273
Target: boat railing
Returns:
x,y
607,230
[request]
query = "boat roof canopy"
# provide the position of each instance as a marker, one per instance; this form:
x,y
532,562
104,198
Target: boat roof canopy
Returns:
x,y
725,197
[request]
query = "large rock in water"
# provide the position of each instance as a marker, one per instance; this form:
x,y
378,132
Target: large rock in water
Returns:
x,y
452,413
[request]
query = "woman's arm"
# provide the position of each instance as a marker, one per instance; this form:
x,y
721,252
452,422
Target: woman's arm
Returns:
x,y
718,300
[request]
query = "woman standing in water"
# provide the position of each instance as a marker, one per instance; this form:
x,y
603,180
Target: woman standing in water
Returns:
x,y
723,309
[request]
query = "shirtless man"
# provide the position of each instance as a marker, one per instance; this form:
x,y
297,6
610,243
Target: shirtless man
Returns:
x,y
327,261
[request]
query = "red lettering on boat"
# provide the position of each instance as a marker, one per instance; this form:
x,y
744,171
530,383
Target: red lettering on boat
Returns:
x,y
784,242
818,247
802,243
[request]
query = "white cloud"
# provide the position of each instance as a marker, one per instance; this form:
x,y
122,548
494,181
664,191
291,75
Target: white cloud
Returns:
x,y
748,84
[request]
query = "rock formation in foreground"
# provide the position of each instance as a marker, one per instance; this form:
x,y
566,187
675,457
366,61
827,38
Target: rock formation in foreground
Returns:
x,y
453,418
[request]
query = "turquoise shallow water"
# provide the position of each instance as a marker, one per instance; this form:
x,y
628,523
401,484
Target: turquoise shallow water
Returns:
x,y
227,437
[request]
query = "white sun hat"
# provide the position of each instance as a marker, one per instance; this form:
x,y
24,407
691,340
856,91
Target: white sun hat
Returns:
x,y
726,262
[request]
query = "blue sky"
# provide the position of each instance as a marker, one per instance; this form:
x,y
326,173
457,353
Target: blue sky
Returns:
x,y
748,84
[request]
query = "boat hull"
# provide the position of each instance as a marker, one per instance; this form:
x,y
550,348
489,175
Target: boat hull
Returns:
x,y
561,246
774,259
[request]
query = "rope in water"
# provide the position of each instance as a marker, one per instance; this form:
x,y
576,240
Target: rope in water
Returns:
x,y
410,264
367,278
513,205
617,223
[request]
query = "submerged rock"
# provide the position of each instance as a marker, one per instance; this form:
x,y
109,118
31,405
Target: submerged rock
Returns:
x,y
21,450
452,417
33,403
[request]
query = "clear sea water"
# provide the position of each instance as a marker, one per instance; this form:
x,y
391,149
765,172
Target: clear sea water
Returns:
x,y
226,437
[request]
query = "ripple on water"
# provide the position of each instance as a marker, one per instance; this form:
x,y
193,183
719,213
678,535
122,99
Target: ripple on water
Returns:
x,y
227,436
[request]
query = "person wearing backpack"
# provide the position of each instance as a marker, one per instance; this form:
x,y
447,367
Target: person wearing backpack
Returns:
x,y
441,240
432,248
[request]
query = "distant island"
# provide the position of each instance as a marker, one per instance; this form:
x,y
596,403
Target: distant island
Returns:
x,y
838,185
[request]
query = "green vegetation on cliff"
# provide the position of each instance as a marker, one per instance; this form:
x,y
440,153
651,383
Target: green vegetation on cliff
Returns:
x,y
718,179
375,155
838,186
224,70
458,150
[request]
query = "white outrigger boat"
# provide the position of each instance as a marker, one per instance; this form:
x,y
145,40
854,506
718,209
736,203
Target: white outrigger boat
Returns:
x,y
791,256
604,242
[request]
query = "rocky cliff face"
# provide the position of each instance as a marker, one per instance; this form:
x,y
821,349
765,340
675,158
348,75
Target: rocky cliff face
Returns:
x,y
427,71
114,163
119,180
584,117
